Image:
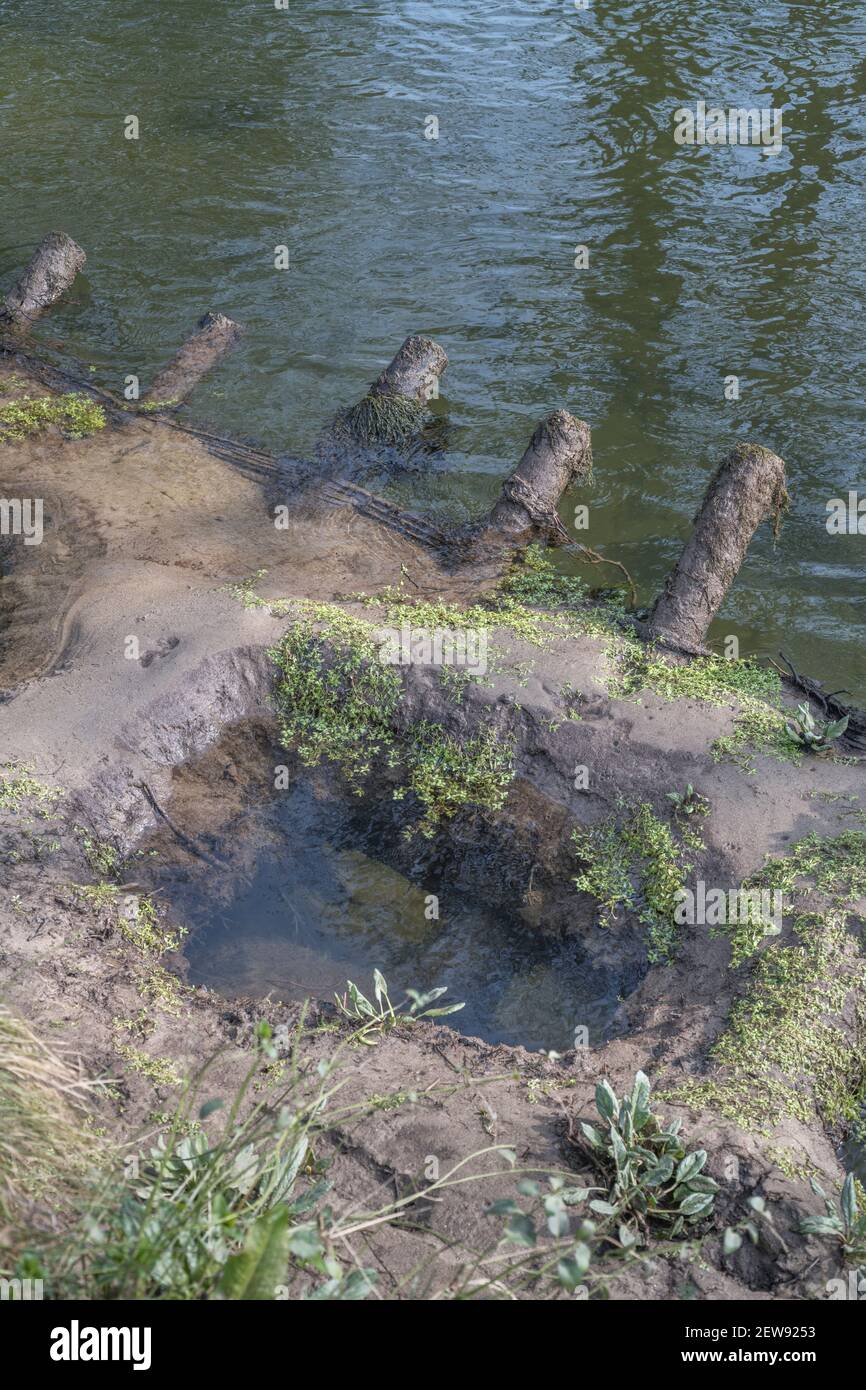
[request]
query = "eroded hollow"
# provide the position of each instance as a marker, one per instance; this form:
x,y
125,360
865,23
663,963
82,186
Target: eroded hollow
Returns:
x,y
289,891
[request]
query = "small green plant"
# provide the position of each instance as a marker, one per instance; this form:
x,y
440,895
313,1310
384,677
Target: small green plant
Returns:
x,y
689,802
103,858
751,1226
380,1017
814,736
636,865
653,1178
845,1226
447,775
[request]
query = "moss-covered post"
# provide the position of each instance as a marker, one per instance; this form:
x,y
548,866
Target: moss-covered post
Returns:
x,y
394,409
215,335
559,453
747,488
48,275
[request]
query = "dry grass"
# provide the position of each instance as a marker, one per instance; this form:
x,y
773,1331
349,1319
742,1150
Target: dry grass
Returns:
x,y
45,1141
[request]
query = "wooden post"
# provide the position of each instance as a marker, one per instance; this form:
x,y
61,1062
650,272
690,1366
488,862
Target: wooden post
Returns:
x,y
48,275
215,335
559,453
747,488
395,408
413,371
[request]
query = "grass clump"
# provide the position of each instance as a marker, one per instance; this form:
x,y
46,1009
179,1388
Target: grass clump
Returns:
x,y
636,864
75,414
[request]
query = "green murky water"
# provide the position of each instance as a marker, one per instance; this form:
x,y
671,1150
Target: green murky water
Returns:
x,y
305,127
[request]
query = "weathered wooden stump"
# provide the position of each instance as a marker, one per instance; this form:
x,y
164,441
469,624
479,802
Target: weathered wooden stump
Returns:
x,y
748,488
215,335
48,275
559,454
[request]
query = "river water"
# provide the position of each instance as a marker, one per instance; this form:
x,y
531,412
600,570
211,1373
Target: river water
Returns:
x,y
306,128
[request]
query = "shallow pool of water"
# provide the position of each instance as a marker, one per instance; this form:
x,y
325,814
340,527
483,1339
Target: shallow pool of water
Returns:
x,y
319,907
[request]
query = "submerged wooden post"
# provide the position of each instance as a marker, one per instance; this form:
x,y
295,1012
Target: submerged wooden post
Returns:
x,y
215,335
559,453
748,488
395,408
48,275
413,372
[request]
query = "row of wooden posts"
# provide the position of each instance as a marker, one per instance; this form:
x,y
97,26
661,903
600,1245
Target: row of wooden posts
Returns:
x,y
747,489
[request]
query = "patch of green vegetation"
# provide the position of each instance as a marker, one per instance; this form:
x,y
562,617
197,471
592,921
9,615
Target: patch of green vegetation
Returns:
x,y
20,791
830,797
159,1071
536,583
636,864
337,701
103,858
788,1165
142,926
137,918
787,1049
100,896
382,419
447,776
164,990
75,414
335,698
454,681
12,383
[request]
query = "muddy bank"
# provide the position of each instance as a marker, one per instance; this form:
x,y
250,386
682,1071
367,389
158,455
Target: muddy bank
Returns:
x,y
160,691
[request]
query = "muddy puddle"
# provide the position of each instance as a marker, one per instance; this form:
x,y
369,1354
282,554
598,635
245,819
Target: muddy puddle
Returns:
x,y
291,893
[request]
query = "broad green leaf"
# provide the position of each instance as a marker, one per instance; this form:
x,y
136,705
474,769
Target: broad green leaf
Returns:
x,y
848,1201
660,1174
602,1208
257,1270
521,1230
503,1206
697,1203
380,985
691,1165
305,1242
606,1101
558,1224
